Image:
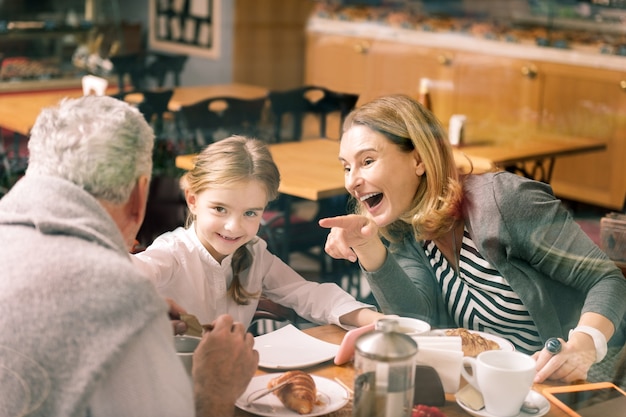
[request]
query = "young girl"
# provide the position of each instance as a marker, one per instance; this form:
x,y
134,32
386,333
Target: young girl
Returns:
x,y
217,264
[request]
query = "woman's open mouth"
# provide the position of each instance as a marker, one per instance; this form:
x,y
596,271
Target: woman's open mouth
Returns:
x,y
372,199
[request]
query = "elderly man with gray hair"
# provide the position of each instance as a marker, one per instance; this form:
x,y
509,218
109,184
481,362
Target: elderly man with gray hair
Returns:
x,y
82,332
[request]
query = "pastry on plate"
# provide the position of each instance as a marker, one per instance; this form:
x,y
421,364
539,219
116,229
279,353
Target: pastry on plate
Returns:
x,y
299,395
472,343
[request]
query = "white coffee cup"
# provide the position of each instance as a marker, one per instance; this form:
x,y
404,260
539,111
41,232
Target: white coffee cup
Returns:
x,y
504,378
185,346
412,327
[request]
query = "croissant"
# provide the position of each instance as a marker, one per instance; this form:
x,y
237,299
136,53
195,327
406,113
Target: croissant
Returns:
x,y
299,394
472,343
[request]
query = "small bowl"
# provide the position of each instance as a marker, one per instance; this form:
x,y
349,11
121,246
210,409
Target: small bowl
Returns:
x,y
185,346
412,327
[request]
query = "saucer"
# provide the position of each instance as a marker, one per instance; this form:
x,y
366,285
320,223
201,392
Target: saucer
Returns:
x,y
538,399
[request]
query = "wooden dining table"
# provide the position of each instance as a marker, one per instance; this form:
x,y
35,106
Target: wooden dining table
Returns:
x,y
310,168
532,156
18,112
186,95
345,373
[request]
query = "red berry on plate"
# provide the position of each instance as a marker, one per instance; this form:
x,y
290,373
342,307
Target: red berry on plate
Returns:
x,y
422,410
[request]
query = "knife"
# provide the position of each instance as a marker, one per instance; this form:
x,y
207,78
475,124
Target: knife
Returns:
x,y
267,391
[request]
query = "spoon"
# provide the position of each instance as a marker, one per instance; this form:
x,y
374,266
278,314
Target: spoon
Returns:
x,y
529,407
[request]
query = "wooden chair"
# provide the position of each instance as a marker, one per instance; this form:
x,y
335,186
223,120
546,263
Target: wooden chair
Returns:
x,y
162,65
270,315
303,234
299,102
13,158
166,209
154,108
216,118
132,66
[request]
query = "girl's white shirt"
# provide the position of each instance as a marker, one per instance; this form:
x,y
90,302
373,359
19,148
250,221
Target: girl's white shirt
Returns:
x,y
183,269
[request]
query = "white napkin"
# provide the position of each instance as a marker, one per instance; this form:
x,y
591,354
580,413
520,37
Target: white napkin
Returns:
x,y
445,354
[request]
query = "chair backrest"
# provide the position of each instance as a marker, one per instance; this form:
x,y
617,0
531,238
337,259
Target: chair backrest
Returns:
x,y
132,65
92,83
269,315
163,64
304,100
217,117
154,105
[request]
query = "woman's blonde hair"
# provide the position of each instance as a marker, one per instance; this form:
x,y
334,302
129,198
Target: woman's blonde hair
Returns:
x,y
407,124
231,161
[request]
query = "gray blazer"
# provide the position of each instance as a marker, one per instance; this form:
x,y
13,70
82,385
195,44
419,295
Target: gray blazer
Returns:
x,y
525,233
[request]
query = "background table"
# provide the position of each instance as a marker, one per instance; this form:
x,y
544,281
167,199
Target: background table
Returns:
x,y
311,169
18,112
184,96
535,156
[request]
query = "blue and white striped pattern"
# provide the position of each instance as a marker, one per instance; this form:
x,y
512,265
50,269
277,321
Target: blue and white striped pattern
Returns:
x,y
481,299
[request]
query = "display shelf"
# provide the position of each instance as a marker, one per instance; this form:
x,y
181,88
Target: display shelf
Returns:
x,y
52,44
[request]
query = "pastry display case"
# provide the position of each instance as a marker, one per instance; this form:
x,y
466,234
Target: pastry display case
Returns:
x,y
52,44
584,25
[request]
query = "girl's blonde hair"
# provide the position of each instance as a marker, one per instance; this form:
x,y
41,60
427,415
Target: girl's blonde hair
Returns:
x,y
231,161
407,124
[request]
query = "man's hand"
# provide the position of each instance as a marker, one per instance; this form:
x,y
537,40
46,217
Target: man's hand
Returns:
x,y
223,365
179,326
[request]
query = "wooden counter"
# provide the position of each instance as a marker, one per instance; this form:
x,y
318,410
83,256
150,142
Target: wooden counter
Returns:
x,y
508,92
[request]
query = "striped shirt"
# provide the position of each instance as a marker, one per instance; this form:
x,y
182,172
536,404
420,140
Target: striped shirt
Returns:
x,y
479,298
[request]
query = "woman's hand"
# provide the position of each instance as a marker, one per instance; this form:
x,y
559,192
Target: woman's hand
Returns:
x,y
577,354
354,237
346,233
569,365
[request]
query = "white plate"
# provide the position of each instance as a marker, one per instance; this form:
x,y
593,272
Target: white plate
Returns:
x,y
330,396
534,397
290,348
502,342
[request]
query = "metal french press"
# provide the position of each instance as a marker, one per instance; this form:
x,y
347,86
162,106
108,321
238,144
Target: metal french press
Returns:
x,y
384,365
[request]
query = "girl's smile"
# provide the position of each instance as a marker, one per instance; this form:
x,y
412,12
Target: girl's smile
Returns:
x,y
227,218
